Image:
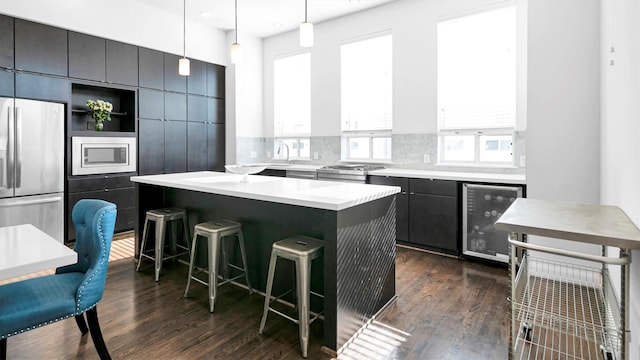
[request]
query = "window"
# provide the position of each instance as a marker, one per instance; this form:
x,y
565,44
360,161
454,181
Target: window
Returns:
x,y
477,87
366,102
292,105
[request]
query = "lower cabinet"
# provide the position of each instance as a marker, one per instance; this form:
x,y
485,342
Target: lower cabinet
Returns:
x,y
434,214
427,212
117,189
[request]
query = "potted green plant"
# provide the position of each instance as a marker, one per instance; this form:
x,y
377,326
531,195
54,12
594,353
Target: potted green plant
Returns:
x,y
100,111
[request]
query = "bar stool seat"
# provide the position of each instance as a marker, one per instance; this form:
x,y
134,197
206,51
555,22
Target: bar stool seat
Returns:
x,y
162,217
302,250
215,232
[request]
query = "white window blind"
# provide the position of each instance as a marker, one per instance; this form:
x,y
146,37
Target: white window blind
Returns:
x,y
366,87
477,70
292,95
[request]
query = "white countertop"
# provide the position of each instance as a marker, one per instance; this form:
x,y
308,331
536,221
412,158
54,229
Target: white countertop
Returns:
x,y
25,249
326,195
595,224
450,175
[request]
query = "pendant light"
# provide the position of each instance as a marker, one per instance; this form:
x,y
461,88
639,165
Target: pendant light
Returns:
x,y
236,50
306,30
183,64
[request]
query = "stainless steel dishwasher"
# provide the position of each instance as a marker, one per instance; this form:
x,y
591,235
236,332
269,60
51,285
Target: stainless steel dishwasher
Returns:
x,y
563,304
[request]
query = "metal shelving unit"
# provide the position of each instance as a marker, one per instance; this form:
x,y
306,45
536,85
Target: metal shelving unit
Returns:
x,y
561,307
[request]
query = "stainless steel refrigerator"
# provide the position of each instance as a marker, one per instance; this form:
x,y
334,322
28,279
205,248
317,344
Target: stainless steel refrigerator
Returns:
x,y
32,165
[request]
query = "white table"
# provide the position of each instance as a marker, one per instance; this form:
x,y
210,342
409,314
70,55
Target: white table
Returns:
x,y
25,249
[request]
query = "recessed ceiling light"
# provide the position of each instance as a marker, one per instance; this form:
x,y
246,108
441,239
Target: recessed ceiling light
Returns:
x,y
205,14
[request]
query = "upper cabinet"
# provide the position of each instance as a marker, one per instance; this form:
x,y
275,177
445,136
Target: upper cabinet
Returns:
x,y
40,48
172,80
151,68
122,63
86,57
6,42
215,80
197,80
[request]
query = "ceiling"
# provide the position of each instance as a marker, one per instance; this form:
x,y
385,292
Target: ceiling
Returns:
x,y
263,18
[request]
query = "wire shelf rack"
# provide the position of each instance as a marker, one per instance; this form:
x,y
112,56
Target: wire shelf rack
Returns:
x,y
564,310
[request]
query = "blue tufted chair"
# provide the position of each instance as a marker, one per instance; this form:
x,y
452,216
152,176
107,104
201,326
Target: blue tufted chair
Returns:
x,y
72,290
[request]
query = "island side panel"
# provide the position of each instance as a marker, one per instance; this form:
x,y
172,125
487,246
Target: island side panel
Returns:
x,y
365,261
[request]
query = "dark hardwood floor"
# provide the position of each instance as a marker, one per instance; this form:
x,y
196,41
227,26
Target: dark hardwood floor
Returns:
x,y
446,309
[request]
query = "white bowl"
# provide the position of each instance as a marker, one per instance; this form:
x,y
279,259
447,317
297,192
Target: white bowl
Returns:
x,y
246,169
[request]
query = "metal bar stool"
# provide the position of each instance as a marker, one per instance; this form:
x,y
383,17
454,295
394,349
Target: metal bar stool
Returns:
x,y
161,217
301,250
215,232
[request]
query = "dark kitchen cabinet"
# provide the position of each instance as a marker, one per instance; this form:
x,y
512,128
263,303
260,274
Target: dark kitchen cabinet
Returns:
x,y
151,104
7,83
215,110
197,108
175,106
197,80
215,80
434,214
175,146
151,146
40,48
151,68
6,42
122,63
197,146
115,188
402,203
86,57
172,80
42,87
215,147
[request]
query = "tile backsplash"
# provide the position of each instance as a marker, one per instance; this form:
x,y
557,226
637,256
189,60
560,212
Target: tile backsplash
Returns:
x,y
408,152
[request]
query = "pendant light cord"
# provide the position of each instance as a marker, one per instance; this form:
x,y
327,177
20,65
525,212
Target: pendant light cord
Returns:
x,y
236,19
184,28
305,10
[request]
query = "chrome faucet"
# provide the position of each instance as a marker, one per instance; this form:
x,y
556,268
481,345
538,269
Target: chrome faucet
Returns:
x,y
286,146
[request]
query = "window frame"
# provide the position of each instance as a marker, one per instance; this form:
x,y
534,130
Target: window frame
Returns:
x,y
280,136
347,134
483,130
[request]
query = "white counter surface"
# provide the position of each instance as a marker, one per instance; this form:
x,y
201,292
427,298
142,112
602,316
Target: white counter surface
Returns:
x,y
450,175
326,195
595,224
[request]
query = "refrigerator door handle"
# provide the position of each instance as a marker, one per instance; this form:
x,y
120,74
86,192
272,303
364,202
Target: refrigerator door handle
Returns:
x,y
18,147
5,161
15,203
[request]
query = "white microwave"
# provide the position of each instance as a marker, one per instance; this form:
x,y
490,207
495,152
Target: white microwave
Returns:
x,y
102,155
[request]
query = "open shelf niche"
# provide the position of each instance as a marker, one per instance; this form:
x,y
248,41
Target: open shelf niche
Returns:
x,y
123,117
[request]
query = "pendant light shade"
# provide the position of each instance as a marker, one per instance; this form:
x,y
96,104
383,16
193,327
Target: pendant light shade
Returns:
x,y
306,34
236,53
184,67
306,30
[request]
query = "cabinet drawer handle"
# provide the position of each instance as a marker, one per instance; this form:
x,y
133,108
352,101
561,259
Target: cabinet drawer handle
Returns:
x,y
404,193
106,190
412,193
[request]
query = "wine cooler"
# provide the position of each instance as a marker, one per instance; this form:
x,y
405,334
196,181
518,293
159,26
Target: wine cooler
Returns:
x,y
482,206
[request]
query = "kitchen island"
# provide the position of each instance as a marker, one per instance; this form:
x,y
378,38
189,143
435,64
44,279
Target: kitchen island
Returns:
x,y
355,221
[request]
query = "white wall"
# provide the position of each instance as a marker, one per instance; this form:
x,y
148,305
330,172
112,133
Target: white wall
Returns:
x,y
139,24
563,121
413,25
620,155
